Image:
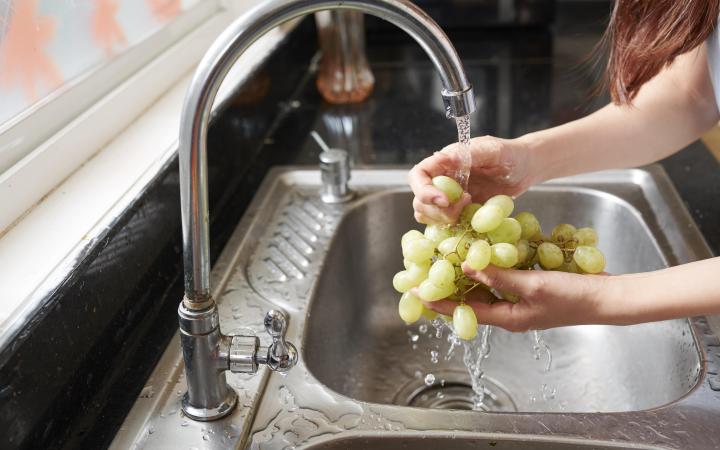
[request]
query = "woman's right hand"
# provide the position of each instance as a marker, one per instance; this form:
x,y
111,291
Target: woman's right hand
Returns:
x,y
499,166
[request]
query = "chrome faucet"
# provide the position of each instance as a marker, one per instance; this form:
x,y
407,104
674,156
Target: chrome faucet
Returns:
x,y
206,351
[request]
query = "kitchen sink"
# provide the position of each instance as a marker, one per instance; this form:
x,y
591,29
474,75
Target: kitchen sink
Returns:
x,y
353,318
362,378
455,442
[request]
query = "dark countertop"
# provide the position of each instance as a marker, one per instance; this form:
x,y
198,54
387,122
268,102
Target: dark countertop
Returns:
x,y
525,79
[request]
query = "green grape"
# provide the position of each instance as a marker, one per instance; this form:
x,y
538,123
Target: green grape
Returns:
x,y
523,250
569,267
508,231
409,236
589,259
504,202
429,292
551,257
411,277
450,187
429,314
487,218
447,250
424,264
465,322
529,223
410,308
478,256
468,212
503,255
586,236
418,250
402,282
442,273
438,233
563,233
455,249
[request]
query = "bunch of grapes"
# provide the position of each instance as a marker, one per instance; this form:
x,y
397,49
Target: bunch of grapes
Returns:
x,y
485,234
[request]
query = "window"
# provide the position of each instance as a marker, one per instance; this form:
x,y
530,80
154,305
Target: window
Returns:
x,y
47,47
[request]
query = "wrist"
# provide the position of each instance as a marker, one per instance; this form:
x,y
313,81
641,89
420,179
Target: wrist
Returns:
x,y
538,160
602,298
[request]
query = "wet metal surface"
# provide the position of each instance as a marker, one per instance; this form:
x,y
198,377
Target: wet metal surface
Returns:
x,y
642,387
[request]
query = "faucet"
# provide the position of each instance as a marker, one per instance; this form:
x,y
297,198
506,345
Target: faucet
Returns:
x,y
207,353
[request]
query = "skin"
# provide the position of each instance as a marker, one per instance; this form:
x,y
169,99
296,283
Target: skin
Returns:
x,y
670,111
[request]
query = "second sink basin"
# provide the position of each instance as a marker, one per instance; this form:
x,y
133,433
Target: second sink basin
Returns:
x,y
353,318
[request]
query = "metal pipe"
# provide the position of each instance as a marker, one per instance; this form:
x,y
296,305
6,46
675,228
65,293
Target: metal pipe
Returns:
x,y
457,95
206,352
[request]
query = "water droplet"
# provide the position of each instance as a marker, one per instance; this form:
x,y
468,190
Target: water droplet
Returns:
x,y
184,423
205,437
414,338
429,379
434,356
423,328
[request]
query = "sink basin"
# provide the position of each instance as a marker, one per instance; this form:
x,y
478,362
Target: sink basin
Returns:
x,y
454,442
360,384
353,318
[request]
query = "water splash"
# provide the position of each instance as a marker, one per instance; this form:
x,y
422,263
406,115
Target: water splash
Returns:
x,y
541,347
476,351
429,379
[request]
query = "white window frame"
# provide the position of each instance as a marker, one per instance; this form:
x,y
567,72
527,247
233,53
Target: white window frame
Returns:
x,y
62,195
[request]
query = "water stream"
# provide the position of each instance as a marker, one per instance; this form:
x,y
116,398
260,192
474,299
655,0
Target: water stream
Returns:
x,y
475,352
462,174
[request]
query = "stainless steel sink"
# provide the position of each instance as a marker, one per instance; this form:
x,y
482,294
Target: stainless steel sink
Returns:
x,y
455,442
359,383
353,319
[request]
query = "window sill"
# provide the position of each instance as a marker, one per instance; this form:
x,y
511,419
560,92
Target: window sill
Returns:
x,y
40,249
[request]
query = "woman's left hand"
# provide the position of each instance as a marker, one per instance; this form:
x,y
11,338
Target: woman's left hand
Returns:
x,y
547,299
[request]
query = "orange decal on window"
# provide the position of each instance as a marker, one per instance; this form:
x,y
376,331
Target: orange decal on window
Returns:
x,y
23,57
106,31
164,9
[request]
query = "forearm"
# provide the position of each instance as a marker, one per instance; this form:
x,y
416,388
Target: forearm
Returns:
x,y
683,291
671,111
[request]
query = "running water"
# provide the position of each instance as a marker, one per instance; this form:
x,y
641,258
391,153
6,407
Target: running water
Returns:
x,y
463,172
476,351
539,347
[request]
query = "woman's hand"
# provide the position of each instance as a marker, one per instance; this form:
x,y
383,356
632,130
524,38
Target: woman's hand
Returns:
x,y
547,299
499,166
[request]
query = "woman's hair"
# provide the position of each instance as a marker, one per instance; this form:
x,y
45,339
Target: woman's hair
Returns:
x,y
644,36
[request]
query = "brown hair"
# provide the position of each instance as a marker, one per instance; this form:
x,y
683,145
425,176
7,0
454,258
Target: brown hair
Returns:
x,y
644,36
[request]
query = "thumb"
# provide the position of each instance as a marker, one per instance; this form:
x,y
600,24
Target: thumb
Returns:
x,y
525,283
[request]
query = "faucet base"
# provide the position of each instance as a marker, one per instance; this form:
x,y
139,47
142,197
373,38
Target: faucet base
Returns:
x,y
208,414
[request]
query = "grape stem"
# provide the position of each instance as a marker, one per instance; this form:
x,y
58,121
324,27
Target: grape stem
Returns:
x,y
471,288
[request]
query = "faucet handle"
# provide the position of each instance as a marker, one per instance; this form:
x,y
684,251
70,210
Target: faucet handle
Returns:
x,y
281,355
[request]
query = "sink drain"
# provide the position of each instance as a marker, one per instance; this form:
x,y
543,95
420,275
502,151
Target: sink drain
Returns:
x,y
452,390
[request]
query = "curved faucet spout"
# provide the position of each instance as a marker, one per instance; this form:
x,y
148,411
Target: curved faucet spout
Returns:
x,y
457,95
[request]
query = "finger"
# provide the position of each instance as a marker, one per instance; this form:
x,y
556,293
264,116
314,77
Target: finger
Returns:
x,y
421,185
432,214
420,218
525,283
446,307
454,211
511,316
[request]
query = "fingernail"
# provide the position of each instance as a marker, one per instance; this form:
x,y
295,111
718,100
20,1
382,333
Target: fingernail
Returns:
x,y
441,202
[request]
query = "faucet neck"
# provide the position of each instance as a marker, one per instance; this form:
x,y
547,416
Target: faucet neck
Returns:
x,y
232,43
